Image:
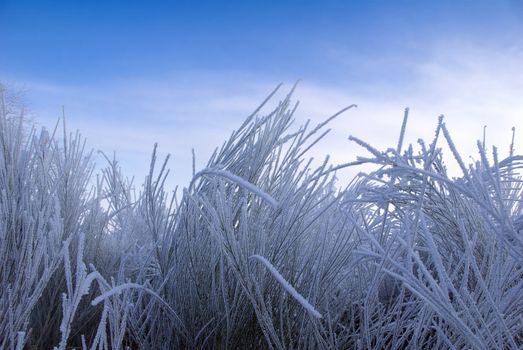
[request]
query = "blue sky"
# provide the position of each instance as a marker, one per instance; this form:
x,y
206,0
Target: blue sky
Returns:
x,y
185,74
73,41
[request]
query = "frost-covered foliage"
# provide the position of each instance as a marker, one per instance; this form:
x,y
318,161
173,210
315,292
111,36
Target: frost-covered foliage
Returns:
x,y
260,250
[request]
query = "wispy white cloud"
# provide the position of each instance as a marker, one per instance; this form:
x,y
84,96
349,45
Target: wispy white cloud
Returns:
x,y
472,86
182,111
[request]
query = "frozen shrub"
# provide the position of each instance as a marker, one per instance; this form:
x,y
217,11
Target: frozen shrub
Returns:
x,y
260,250
31,225
452,244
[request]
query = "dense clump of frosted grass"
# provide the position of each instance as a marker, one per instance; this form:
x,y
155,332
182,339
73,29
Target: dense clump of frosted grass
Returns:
x,y
260,250
451,245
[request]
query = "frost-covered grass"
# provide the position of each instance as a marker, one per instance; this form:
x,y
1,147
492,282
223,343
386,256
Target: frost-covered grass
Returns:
x,y
261,250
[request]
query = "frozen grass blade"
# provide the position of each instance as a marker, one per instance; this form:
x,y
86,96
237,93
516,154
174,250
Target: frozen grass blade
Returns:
x,y
290,289
238,180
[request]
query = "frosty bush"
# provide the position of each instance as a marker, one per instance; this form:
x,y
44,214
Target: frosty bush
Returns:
x,y
260,250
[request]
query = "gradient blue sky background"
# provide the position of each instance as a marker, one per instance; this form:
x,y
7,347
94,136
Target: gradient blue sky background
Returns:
x,y
186,73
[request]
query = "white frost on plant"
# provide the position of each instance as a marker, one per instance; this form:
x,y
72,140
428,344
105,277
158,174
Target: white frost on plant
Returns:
x,y
241,182
287,286
115,290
